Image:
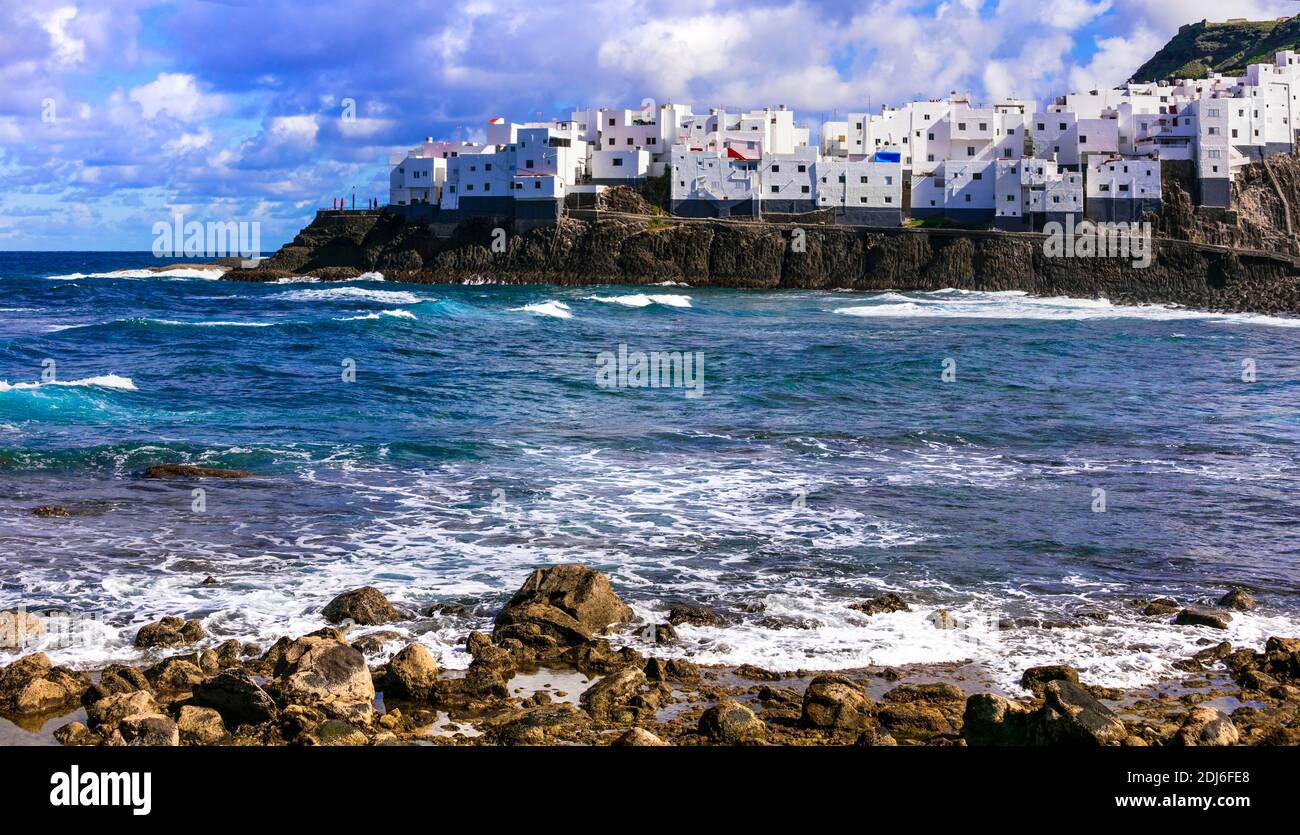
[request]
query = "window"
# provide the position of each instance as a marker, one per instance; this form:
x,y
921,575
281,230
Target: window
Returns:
x,y
1104,187
1056,198
803,169
611,121
929,157
776,169
487,186
970,152
487,166
776,189
1083,140
650,140
1063,126
1041,126
984,125
930,137
862,199
889,199
529,164
1123,186
804,189
453,189
629,140
968,198
978,175
1010,198
537,184
469,186
961,126
618,162
611,142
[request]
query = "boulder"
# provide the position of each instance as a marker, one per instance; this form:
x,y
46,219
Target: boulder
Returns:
x,y
108,712
942,619
19,628
753,672
170,632
1035,679
412,673
541,626
116,678
32,685
833,702
990,719
1205,726
921,711
639,738
149,729
235,695
1161,606
322,669
624,696
173,674
578,591
365,606
200,725
1203,616
1071,716
50,511
882,604
75,733
228,653
1238,599
731,723
694,616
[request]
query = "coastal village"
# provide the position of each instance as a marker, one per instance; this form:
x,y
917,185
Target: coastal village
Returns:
x,y
1097,155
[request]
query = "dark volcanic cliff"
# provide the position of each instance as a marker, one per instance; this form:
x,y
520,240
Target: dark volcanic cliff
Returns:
x,y
1191,265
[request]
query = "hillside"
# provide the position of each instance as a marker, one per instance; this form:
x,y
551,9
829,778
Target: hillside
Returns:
x,y
1201,48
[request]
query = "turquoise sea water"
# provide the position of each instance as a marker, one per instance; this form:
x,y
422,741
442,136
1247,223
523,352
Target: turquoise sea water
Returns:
x,y
827,460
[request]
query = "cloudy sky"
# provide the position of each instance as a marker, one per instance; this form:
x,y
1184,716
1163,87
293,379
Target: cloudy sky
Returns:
x,y
115,114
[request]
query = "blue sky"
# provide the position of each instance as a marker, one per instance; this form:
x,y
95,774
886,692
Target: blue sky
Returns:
x,y
116,114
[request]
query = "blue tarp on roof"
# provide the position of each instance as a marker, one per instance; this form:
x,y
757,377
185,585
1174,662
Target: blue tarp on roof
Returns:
x,y
886,156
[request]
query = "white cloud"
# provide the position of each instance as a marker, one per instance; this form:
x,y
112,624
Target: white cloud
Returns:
x,y
177,95
65,48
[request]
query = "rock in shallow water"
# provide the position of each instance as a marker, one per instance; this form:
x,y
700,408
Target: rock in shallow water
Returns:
x,y
731,723
1203,616
1238,599
412,673
170,632
833,702
365,606
578,591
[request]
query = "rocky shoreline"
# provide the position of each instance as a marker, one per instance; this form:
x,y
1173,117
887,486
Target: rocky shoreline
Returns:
x,y
553,671
1241,260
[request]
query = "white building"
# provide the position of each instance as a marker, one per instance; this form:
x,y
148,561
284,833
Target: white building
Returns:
x,y
1029,193
1121,188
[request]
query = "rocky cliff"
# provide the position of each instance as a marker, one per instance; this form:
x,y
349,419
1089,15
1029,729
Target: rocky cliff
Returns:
x,y
1201,48
1186,267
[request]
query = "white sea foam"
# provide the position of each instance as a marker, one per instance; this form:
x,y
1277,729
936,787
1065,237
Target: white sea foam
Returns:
x,y
106,381
370,276
959,304
214,324
559,310
351,294
643,300
182,272
397,314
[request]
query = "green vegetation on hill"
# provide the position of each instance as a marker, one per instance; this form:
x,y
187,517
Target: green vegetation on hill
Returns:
x,y
1201,48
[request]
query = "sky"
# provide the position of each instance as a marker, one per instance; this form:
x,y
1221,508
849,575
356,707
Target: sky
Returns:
x,y
118,114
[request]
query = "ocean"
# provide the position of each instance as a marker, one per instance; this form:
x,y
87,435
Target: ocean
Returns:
x,y
1000,456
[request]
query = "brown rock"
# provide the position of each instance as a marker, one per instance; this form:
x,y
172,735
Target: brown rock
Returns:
x,y
1035,679
149,729
1238,599
50,511
731,723
1205,726
236,696
108,712
1161,606
365,606
200,726
1202,616
170,632
639,738
833,702
412,673
322,669
173,674
694,616
578,591
883,604
624,696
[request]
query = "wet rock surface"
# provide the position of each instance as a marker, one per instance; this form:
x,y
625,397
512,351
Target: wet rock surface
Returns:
x,y
545,678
